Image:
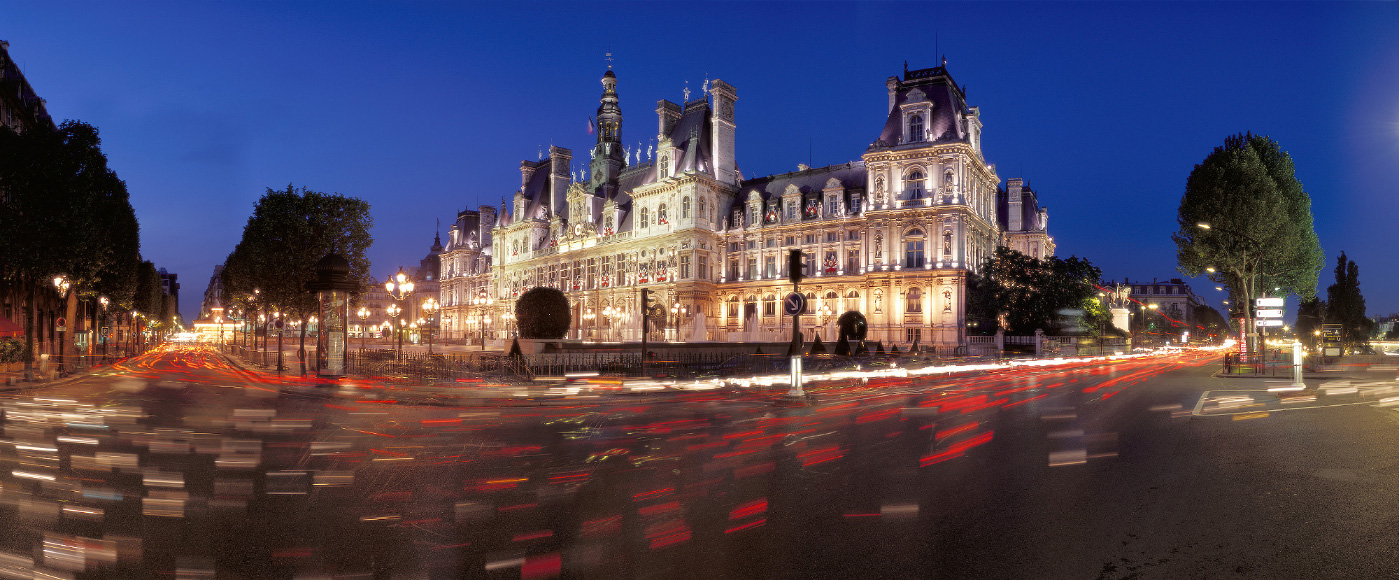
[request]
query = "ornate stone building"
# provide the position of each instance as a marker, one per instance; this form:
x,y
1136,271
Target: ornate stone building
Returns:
x,y
893,234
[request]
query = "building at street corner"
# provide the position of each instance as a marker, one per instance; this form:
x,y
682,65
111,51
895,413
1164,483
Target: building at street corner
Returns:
x,y
892,234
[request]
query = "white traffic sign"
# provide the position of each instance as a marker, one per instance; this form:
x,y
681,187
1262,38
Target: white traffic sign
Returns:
x,y
1270,313
794,304
1268,302
1267,322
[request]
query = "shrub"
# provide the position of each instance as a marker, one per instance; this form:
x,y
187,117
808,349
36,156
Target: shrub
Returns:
x,y
11,351
542,313
852,324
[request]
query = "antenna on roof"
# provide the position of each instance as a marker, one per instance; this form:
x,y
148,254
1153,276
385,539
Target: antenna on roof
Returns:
x,y
609,57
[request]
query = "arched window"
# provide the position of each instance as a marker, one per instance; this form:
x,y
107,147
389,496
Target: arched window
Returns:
x,y
702,212
644,216
661,215
915,184
733,307
664,167
770,305
915,128
913,249
914,300
685,208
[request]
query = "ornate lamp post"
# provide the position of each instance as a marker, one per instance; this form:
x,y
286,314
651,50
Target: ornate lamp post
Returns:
x,y
61,284
399,286
363,314
430,307
607,314
484,326
104,302
393,312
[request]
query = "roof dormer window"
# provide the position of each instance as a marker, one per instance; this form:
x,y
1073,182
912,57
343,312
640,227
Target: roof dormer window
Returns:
x,y
915,128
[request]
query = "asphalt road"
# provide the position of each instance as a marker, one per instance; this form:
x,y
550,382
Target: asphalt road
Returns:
x,y
177,464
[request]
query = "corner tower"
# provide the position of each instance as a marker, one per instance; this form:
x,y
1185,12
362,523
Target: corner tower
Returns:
x,y
608,157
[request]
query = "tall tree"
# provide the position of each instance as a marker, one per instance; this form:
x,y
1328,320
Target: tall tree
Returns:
x,y
1260,233
1210,321
290,230
64,212
1310,316
1345,305
1023,294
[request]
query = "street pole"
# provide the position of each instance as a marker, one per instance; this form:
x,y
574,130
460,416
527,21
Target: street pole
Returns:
x,y
645,322
794,263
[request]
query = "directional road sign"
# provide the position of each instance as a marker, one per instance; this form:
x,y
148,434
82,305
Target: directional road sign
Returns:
x,y
1269,313
1267,322
794,304
1268,302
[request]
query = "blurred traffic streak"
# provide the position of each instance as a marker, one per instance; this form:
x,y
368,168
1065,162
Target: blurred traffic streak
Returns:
x,y
180,464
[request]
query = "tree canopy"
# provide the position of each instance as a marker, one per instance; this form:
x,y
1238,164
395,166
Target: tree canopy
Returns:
x,y
1345,305
290,230
1260,235
64,212
1023,294
542,312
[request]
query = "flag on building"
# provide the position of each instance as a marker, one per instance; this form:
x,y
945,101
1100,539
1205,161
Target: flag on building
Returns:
x,y
590,125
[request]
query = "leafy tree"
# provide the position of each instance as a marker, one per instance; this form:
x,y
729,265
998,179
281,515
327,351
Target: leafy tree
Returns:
x,y
1310,316
1210,321
542,312
1022,294
1260,233
290,230
1345,305
64,212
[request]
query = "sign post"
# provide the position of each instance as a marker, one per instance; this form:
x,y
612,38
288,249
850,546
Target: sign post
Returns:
x,y
794,305
1267,313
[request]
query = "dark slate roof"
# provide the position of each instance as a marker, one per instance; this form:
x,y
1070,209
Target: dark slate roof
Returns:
x,y
851,176
1029,210
538,189
692,134
947,100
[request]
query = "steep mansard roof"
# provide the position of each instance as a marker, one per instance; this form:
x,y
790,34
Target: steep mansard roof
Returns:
x,y
1029,210
852,177
948,100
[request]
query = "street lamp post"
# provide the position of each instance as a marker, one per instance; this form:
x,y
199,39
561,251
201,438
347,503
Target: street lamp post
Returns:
x,y
61,284
430,307
607,314
363,314
485,327
104,302
399,287
393,312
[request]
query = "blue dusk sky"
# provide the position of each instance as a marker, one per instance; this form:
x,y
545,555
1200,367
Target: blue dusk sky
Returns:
x,y
426,108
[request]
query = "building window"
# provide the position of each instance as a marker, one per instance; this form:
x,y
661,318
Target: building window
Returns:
x,y
752,268
913,249
790,241
810,238
752,244
852,261
661,215
645,218
833,205
685,208
733,269
770,305
770,266
592,273
737,218
914,300
915,185
853,235
735,247
702,207
854,205
791,212
832,236
703,267
913,334
771,242
915,128
753,215
684,267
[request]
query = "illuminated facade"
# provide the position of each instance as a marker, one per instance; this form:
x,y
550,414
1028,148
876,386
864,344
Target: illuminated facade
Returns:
x,y
892,235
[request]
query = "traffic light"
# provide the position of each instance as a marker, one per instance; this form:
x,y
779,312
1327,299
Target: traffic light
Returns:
x,y
794,266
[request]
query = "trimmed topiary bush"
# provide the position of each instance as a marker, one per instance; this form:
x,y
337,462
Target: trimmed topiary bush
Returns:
x,y
542,313
852,325
817,347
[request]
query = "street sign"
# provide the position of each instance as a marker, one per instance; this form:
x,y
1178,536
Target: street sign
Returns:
x,y
1267,322
794,304
1270,313
1269,302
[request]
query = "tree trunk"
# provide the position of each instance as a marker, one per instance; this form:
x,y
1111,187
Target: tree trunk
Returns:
x,y
301,351
29,313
